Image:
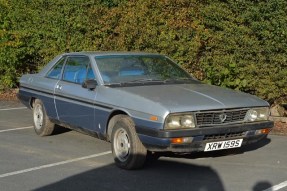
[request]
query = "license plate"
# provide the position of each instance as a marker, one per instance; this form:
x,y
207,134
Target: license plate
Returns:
x,y
220,145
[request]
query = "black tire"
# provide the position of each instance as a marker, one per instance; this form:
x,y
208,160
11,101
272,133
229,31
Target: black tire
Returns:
x,y
42,124
128,151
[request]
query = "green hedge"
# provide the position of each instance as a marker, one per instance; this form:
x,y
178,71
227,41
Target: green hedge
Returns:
x,y
236,44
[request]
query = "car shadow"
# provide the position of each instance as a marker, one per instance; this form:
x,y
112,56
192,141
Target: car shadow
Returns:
x,y
58,130
162,175
159,175
261,186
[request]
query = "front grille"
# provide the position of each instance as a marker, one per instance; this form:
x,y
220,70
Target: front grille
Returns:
x,y
224,136
220,117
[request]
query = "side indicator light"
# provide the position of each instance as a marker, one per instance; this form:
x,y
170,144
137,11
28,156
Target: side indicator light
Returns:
x,y
153,118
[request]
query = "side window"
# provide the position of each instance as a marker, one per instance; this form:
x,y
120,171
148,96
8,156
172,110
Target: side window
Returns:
x,y
55,72
77,69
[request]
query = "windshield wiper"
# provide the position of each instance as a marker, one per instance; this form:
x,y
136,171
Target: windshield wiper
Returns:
x,y
135,82
179,80
145,80
113,84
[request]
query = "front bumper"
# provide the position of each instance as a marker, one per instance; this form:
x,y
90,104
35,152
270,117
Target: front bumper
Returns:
x,y
160,140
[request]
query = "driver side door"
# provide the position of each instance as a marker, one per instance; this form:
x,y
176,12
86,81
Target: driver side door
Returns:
x,y
75,104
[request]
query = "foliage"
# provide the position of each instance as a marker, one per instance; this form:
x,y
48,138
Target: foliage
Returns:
x,y
248,49
237,44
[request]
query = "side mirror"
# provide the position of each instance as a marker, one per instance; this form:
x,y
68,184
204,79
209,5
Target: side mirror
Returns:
x,y
90,84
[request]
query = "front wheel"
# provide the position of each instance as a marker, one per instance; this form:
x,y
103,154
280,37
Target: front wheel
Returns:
x,y
128,151
42,125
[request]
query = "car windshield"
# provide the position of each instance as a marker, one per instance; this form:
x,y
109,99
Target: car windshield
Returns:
x,y
135,69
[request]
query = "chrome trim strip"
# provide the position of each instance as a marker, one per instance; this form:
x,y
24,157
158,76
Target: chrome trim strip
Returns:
x,y
69,98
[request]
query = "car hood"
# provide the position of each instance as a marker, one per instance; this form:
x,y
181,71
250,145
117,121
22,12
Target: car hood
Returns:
x,y
193,97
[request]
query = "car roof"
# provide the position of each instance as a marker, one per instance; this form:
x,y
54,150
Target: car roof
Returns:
x,y
106,53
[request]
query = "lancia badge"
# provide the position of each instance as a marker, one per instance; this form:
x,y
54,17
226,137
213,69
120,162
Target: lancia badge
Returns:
x,y
222,117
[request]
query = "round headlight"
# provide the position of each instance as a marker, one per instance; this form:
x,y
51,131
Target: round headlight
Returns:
x,y
187,121
251,115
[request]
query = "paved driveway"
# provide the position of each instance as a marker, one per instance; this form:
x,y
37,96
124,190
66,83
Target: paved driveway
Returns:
x,y
72,161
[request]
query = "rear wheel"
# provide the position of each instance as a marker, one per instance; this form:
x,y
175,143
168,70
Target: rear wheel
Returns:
x,y
42,125
128,151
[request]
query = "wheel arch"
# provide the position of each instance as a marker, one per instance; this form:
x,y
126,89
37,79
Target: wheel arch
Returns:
x,y
111,122
32,101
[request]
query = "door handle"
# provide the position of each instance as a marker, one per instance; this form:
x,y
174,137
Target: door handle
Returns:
x,y
59,87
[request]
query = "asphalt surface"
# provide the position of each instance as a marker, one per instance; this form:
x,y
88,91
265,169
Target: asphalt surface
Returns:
x,y
72,161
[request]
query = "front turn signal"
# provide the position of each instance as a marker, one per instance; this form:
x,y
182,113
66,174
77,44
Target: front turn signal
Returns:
x,y
263,131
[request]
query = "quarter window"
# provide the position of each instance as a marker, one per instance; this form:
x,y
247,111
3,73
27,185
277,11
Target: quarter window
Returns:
x,y
56,71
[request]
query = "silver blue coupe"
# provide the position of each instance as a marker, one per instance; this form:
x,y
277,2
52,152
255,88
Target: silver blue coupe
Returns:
x,y
142,103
